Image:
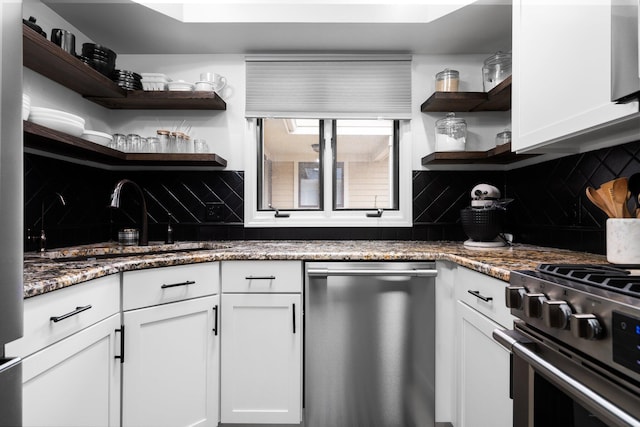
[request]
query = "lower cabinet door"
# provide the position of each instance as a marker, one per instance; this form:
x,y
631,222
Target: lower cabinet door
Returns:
x,y
261,360
483,372
76,381
170,370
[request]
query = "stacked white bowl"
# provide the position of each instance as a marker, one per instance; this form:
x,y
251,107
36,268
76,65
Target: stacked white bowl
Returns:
x,y
154,81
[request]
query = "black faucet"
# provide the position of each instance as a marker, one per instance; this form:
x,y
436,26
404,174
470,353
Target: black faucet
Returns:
x,y
42,238
143,240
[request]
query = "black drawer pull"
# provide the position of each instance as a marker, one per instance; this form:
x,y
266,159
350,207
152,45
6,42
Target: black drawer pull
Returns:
x,y
260,277
477,294
71,313
173,285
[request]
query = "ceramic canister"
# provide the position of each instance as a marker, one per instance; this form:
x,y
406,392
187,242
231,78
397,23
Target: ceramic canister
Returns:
x,y
623,240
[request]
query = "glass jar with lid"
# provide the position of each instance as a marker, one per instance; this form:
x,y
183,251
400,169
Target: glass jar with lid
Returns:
x,y
447,80
496,68
451,133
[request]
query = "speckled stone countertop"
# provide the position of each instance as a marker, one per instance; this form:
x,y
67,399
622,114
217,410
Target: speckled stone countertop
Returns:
x,y
60,268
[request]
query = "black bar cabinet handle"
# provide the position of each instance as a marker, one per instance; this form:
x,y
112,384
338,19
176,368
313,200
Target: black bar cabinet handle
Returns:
x,y
294,317
121,357
215,322
260,277
173,285
71,313
477,294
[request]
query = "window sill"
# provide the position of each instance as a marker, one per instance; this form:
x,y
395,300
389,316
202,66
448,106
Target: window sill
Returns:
x,y
319,219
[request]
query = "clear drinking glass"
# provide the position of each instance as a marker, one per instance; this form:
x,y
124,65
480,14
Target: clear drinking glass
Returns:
x,y
133,143
200,146
163,139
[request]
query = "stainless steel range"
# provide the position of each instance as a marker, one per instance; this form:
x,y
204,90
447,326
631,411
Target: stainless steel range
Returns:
x,y
575,345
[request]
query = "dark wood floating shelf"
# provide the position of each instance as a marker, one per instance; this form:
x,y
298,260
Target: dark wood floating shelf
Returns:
x,y
497,99
163,100
46,58
501,154
44,139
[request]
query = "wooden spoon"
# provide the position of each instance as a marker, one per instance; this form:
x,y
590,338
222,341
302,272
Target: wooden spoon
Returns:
x,y
620,195
596,199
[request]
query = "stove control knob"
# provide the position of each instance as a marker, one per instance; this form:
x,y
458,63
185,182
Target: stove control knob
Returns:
x,y
586,326
533,304
556,314
514,296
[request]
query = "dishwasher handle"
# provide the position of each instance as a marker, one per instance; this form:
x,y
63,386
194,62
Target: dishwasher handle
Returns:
x,y
418,272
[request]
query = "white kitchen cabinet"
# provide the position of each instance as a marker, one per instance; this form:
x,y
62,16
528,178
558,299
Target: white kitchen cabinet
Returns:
x,y
70,374
261,359
171,346
76,381
561,79
482,374
171,364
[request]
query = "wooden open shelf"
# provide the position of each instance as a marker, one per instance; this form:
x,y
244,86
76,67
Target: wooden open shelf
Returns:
x,y
501,154
163,100
497,99
48,140
46,58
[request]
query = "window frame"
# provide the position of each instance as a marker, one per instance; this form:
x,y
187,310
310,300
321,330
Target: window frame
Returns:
x,y
396,169
260,169
328,217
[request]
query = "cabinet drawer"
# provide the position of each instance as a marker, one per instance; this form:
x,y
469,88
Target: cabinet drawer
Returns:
x,y
483,286
143,288
101,296
261,276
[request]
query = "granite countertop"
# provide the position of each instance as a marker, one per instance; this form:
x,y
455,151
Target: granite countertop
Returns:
x,y
61,268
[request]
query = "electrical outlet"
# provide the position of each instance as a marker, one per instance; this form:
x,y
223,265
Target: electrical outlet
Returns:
x,y
213,211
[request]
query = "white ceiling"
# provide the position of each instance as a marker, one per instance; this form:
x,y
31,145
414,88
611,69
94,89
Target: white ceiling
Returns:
x,y
130,28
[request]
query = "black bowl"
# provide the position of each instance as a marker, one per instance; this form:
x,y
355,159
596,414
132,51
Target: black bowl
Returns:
x,y
482,225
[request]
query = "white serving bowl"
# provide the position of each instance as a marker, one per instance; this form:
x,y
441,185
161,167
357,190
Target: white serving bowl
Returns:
x,y
97,137
205,86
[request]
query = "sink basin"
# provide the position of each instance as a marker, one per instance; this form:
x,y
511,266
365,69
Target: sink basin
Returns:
x,y
114,250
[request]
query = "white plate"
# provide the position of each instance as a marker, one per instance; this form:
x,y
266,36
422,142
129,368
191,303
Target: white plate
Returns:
x,y
36,116
49,112
60,125
180,86
97,137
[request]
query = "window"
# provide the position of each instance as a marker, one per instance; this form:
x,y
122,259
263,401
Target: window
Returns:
x,y
327,172
328,140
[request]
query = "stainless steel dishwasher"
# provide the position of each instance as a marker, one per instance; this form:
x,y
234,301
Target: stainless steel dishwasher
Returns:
x,y
369,344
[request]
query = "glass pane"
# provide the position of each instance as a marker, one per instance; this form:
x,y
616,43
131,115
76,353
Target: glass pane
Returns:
x,y
366,166
291,165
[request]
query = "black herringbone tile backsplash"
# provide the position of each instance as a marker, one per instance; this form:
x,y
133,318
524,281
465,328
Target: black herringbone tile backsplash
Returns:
x,y
550,207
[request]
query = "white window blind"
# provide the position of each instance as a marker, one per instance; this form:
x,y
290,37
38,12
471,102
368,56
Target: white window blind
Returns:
x,y
368,87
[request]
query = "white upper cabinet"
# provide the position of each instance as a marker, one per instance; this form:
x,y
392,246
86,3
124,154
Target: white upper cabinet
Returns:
x,y
561,97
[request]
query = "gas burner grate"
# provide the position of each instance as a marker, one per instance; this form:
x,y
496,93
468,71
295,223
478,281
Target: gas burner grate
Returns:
x,y
613,278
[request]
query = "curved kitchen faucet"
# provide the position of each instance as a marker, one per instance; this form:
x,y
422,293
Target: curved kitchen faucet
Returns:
x,y
115,203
